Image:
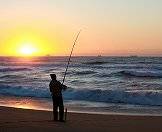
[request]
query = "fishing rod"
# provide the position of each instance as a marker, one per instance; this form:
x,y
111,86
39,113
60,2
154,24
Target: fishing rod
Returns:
x,y
70,56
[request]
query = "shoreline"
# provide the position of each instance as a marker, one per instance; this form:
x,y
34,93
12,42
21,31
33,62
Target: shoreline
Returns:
x,y
89,108
93,112
14,119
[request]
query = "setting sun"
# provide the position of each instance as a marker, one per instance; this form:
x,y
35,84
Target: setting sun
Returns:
x,y
27,49
25,42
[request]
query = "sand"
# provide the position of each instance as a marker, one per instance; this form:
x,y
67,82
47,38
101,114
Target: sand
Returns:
x,y
21,120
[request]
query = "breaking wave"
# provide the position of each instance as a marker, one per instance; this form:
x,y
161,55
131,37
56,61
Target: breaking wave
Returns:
x,y
140,73
24,91
138,97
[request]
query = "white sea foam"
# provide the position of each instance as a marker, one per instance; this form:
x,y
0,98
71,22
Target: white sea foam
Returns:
x,y
139,97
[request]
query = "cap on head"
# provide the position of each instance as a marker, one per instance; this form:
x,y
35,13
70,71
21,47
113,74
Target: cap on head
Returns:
x,y
53,76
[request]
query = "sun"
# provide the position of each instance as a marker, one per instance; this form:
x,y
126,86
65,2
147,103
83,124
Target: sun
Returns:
x,y
27,49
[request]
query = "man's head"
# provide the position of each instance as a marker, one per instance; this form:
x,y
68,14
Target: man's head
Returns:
x,y
53,76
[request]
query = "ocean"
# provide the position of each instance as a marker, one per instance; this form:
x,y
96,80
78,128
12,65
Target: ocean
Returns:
x,y
95,84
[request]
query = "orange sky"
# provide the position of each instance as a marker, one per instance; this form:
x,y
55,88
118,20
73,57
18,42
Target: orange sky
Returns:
x,y
109,27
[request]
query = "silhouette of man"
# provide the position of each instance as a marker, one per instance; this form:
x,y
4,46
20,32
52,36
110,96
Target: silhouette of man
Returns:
x,y
56,91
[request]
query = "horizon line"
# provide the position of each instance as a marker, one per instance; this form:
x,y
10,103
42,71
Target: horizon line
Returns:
x,y
83,56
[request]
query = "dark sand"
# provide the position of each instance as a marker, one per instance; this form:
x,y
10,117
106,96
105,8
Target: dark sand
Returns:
x,y
21,120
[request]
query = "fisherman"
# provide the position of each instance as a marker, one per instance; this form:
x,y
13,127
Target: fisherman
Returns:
x,y
56,91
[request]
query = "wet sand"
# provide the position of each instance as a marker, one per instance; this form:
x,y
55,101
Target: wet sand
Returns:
x,y
21,120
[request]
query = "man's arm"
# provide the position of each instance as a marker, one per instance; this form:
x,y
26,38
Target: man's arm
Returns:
x,y
63,87
50,87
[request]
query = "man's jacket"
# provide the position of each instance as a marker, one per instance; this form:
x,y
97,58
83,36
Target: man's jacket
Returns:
x,y
56,88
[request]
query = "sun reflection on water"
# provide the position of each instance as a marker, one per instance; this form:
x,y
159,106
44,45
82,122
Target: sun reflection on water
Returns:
x,y
25,103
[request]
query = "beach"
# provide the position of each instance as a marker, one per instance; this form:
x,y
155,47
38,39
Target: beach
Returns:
x,y
18,120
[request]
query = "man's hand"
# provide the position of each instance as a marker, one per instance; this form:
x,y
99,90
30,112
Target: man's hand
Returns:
x,y
64,87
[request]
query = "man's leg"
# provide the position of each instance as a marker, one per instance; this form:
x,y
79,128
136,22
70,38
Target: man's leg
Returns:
x,y
61,109
55,109
55,112
61,113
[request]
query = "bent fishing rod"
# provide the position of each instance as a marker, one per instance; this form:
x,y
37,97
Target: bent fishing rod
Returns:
x,y
70,56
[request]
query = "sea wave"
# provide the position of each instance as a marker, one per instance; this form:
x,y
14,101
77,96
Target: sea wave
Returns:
x,y
138,97
84,72
79,73
24,91
95,62
13,69
12,76
142,73
132,73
